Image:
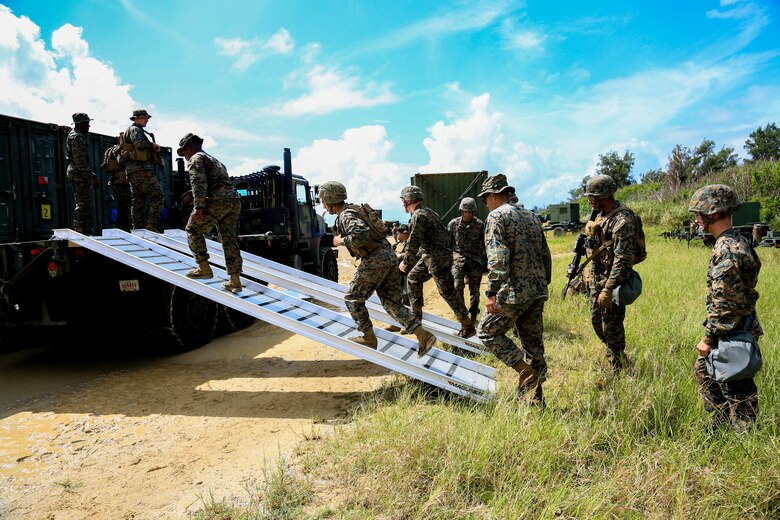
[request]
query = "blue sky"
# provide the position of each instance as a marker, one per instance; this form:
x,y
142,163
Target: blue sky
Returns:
x,y
370,93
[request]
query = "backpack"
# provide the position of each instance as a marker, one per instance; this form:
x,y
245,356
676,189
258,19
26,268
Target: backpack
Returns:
x,y
112,160
375,223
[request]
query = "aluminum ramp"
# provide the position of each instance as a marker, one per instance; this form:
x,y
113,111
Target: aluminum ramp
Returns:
x,y
439,368
309,284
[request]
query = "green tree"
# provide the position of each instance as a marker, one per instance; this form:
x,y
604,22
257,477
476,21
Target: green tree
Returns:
x,y
764,143
654,175
617,167
680,167
706,161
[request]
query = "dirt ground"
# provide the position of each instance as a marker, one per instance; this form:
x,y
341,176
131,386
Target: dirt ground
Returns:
x,y
153,438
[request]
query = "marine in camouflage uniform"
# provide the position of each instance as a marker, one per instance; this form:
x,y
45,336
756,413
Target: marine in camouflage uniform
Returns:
x,y
519,270
468,240
401,234
612,238
140,173
429,251
377,271
216,203
78,172
732,276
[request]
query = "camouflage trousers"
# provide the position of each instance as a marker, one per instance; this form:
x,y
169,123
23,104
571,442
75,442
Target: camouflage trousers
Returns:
x,y
471,271
145,184
733,402
378,272
608,323
82,193
527,318
120,187
441,271
224,215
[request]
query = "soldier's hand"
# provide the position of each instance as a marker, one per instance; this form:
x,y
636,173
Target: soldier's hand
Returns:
x,y
403,267
605,298
703,348
198,215
337,240
490,305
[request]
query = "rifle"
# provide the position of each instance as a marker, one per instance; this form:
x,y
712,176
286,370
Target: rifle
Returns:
x,y
574,269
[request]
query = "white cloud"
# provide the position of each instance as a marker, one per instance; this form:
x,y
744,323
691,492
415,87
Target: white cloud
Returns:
x,y
331,90
247,52
359,160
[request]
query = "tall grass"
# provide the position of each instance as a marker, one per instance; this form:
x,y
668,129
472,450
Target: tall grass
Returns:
x,y
635,446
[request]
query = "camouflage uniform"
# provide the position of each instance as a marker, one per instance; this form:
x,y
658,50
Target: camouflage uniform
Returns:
x,y
731,298
377,271
80,176
608,270
429,240
399,249
468,239
519,270
213,191
143,181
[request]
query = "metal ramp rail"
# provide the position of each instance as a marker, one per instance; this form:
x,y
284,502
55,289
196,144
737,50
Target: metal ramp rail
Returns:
x,y
309,284
397,353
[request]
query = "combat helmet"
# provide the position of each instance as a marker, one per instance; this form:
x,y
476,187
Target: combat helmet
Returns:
x,y
332,192
714,198
600,187
412,194
468,204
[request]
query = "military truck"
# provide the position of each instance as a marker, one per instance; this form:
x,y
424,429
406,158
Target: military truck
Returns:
x,y
561,218
55,292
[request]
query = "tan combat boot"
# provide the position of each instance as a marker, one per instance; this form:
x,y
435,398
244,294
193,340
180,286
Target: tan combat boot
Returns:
x,y
528,380
466,328
234,284
368,339
425,341
203,271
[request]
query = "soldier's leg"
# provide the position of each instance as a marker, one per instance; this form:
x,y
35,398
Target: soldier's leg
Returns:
x,y
156,200
459,279
138,196
390,294
712,394
474,278
124,200
492,331
529,328
82,193
227,225
416,278
195,235
615,335
742,398
442,275
367,277
597,315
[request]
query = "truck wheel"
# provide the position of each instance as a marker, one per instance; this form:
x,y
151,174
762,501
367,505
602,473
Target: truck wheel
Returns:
x,y
230,320
559,231
192,318
329,268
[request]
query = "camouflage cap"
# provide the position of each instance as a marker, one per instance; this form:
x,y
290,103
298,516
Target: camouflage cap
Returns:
x,y
496,184
81,117
332,192
412,194
714,198
600,186
189,138
139,113
468,204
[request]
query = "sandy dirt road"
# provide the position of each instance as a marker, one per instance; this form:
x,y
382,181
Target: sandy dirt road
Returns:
x,y
151,438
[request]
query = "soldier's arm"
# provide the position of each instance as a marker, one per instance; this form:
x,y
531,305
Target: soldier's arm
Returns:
x,y
497,253
138,138
356,231
727,302
416,233
624,250
198,180
546,257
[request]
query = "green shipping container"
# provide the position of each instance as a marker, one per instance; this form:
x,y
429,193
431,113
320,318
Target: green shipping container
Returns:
x,y
444,191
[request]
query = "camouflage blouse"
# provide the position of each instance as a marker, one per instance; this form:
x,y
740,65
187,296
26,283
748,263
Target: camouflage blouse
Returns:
x,y
519,260
468,240
76,150
731,286
427,236
209,180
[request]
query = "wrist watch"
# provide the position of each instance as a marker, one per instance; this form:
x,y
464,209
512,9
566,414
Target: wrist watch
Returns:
x,y
490,294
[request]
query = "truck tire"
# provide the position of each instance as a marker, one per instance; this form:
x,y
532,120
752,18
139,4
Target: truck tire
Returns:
x,y
559,231
230,320
329,267
193,318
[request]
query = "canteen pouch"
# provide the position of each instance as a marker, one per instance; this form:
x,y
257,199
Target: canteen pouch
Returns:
x,y
736,357
627,293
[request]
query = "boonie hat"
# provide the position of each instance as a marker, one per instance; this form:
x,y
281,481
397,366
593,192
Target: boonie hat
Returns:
x,y
80,117
187,139
495,184
139,113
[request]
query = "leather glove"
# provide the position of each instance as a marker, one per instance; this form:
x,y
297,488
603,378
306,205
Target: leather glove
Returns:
x,y
605,298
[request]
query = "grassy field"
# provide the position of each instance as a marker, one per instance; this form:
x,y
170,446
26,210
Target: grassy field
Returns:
x,y
636,446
